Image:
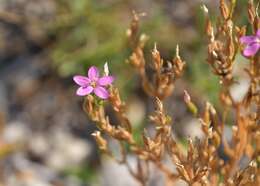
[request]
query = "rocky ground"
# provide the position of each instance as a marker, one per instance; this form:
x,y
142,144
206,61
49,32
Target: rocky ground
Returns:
x,y
45,135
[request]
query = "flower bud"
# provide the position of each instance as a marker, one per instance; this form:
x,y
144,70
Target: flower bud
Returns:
x,y
102,143
106,70
191,106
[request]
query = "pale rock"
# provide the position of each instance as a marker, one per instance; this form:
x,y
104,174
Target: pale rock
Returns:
x,y
114,174
16,132
39,145
27,173
135,111
68,151
192,128
239,90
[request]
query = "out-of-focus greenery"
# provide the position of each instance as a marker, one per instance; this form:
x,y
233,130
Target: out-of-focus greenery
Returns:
x,y
88,34
85,173
92,32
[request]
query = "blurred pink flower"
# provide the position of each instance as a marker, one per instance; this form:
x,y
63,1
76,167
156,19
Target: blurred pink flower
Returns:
x,y
252,44
93,83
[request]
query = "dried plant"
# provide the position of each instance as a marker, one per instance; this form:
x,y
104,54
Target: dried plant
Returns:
x,y
201,163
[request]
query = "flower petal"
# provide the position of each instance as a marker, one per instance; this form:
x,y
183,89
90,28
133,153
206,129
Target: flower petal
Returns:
x,y
106,80
251,50
258,32
83,91
248,39
101,92
93,73
81,80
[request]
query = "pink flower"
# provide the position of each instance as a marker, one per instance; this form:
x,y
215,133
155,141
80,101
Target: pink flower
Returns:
x,y
93,83
252,44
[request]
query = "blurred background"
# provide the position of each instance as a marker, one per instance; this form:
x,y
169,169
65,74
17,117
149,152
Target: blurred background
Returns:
x,y
45,135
